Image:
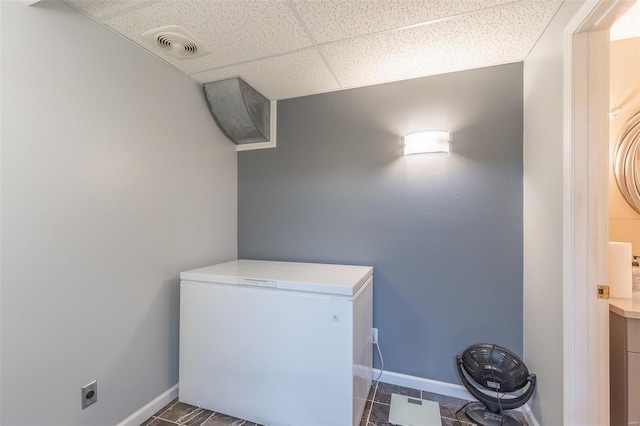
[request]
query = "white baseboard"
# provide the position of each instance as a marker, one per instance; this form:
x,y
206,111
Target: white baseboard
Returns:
x,y
442,388
151,408
420,383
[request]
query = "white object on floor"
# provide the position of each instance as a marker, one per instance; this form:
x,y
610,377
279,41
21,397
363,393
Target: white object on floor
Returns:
x,y
408,411
277,343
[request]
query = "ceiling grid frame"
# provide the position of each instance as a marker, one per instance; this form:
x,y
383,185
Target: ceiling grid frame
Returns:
x,y
307,61
305,28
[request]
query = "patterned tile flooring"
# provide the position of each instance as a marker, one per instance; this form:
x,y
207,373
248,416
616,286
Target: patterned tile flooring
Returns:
x,y
376,412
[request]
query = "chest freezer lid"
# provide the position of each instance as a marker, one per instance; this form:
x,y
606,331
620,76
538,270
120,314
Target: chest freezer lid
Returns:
x,y
344,280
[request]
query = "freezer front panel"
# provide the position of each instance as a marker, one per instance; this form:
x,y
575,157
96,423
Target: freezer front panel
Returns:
x,y
268,356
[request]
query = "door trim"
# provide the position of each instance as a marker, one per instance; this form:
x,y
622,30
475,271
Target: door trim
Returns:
x,y
585,211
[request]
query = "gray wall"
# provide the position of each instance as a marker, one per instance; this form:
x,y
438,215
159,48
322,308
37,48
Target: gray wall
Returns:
x,y
444,233
114,179
543,180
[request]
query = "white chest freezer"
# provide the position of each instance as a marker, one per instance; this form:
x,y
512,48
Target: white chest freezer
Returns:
x,y
277,343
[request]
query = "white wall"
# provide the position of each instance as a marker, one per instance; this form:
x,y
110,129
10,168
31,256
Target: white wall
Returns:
x,y
114,179
543,179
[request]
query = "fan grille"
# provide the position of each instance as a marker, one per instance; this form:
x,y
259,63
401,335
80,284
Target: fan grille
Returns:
x,y
493,363
492,374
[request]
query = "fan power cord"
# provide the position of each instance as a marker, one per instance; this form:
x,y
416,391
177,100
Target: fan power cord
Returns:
x,y
381,361
458,412
496,385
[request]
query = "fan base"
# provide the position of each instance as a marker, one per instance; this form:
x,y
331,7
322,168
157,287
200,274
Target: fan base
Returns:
x,y
479,414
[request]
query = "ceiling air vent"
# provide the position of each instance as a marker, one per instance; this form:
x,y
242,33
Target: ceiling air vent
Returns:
x,y
175,41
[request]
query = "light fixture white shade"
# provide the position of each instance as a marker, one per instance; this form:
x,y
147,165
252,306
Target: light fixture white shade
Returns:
x,y
426,142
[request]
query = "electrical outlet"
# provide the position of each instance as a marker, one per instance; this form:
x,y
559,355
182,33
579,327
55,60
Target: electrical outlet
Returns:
x,y
89,394
374,335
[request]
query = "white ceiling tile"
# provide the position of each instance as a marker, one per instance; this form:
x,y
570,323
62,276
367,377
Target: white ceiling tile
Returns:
x,y
234,31
338,20
484,38
364,41
297,74
628,26
99,8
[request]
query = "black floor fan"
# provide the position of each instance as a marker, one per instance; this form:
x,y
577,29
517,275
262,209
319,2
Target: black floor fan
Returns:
x,y
492,374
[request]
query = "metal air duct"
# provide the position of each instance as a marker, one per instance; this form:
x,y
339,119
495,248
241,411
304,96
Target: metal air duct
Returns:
x,y
242,113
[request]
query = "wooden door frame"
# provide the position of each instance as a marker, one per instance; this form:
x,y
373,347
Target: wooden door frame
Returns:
x,y
585,211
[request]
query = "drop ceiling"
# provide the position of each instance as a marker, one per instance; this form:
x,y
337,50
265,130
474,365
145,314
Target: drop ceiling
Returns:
x,y
292,48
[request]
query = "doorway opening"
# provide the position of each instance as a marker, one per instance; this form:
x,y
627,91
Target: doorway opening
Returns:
x,y
624,215
586,211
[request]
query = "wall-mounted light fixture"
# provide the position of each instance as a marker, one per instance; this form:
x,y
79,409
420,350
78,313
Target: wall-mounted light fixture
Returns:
x,y
426,142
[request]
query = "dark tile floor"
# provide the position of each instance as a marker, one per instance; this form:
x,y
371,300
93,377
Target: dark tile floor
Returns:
x,y
376,412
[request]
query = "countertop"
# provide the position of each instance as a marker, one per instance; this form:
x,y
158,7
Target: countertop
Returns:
x,y
628,308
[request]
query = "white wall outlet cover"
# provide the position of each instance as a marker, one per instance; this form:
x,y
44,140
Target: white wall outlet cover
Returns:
x,y
89,394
